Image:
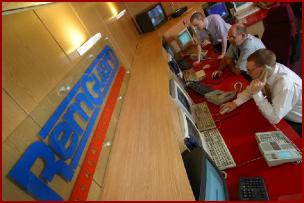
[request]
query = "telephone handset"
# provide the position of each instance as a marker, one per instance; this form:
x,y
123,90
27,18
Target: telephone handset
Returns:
x,y
265,73
277,148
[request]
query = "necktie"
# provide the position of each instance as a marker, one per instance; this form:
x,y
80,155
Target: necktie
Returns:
x,y
266,91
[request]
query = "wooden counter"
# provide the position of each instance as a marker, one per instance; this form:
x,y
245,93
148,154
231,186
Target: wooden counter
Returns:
x,y
145,161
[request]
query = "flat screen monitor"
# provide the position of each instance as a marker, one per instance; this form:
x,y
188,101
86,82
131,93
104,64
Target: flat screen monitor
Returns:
x,y
184,39
156,15
218,8
180,97
206,180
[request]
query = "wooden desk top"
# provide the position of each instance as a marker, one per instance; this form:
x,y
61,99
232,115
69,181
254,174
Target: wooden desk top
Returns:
x,y
145,161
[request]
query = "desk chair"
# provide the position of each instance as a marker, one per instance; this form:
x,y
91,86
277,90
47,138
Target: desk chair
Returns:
x,y
279,34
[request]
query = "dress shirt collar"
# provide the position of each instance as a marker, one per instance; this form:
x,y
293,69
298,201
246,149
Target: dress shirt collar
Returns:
x,y
271,79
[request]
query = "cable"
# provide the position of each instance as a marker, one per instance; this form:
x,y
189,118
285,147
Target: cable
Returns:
x,y
247,162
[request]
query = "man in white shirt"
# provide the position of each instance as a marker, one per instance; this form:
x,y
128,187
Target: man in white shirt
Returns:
x,y
213,28
241,46
284,96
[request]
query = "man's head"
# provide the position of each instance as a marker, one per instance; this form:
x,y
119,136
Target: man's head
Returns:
x,y
258,61
237,34
197,20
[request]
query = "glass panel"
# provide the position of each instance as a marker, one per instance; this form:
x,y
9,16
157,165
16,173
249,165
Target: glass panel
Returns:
x,y
41,134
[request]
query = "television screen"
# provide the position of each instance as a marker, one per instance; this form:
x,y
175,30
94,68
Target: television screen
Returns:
x,y
156,15
184,38
218,8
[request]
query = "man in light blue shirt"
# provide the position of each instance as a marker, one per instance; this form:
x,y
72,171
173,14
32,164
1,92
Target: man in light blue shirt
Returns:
x,y
213,28
241,46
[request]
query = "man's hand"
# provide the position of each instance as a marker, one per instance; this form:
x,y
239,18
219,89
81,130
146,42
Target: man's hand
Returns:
x,y
227,107
221,56
216,74
259,83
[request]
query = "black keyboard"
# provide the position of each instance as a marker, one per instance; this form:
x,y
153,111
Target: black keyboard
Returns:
x,y
199,87
184,64
252,188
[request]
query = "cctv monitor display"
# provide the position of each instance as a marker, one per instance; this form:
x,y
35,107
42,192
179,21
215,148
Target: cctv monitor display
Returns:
x,y
156,15
218,8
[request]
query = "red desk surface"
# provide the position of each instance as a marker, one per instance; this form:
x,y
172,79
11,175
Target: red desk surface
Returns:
x,y
238,129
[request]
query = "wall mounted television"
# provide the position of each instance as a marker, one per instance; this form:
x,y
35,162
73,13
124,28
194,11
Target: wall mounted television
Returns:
x,y
151,18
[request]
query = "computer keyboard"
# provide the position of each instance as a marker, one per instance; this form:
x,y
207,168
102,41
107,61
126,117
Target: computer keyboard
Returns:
x,y
252,188
199,87
203,117
184,64
189,75
219,152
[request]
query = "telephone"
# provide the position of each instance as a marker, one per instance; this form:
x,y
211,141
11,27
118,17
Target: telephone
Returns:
x,y
219,97
277,148
267,70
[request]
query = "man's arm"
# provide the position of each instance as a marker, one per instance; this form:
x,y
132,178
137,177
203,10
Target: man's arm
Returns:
x,y
243,96
224,47
281,105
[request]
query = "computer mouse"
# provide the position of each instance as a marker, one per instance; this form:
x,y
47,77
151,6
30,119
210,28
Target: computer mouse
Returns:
x,y
215,76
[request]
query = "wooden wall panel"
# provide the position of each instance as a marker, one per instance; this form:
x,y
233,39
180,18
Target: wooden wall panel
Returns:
x,y
32,61
123,37
93,21
65,27
12,115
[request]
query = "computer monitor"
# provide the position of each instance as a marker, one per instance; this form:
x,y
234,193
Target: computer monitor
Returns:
x,y
151,18
190,133
206,180
184,39
240,6
180,97
175,70
219,8
157,15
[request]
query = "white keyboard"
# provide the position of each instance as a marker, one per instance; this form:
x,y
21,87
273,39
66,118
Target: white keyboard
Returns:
x,y
219,152
203,117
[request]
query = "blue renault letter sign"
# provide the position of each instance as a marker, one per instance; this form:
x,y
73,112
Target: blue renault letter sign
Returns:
x,y
64,139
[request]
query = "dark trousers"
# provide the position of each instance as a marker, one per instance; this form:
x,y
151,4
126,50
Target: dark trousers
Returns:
x,y
296,126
